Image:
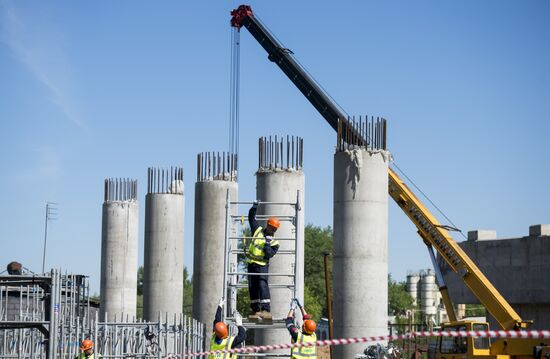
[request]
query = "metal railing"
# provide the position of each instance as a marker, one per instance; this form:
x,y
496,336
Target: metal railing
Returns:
x,y
47,316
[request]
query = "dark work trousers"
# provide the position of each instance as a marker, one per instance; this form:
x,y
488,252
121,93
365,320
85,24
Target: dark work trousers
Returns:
x,y
258,288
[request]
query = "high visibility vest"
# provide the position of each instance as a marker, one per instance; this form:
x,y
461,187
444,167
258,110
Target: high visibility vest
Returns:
x,y
224,345
255,253
305,352
83,356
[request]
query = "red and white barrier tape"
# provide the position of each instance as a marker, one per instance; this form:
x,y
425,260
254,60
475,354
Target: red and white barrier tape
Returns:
x,y
527,334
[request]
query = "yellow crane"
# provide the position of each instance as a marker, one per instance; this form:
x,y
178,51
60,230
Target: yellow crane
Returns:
x,y
434,234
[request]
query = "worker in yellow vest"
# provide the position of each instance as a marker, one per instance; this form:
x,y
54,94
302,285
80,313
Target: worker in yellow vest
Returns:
x,y
87,350
220,337
262,247
306,335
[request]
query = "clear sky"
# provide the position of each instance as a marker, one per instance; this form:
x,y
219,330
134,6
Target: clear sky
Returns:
x,y
90,90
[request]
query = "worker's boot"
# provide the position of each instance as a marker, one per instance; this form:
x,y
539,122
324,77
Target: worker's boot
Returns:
x,y
255,316
265,315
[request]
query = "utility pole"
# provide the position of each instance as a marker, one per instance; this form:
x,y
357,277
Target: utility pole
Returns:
x,y
329,301
51,214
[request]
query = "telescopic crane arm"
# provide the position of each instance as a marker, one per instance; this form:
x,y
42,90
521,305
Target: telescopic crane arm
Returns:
x,y
430,230
277,53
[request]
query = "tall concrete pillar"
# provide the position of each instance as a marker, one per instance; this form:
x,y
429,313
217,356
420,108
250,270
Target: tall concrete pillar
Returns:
x,y
163,255
279,178
216,175
360,262
119,242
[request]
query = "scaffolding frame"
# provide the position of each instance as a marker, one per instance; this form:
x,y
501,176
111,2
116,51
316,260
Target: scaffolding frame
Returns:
x,y
236,244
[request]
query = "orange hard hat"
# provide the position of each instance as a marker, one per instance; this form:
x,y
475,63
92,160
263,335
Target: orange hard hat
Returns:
x,y
273,222
86,344
221,330
309,326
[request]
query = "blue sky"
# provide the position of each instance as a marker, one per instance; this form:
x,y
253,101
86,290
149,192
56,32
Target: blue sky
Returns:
x,y
90,90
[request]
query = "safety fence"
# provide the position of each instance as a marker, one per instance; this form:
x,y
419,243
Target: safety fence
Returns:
x,y
47,316
512,334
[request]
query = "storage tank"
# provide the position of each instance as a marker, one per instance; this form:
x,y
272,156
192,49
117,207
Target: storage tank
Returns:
x,y
427,295
412,286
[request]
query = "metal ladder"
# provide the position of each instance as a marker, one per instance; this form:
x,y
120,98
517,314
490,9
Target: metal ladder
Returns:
x,y
234,246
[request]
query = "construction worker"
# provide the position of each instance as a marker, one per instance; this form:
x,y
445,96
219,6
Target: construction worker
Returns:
x,y
220,337
262,247
306,335
87,350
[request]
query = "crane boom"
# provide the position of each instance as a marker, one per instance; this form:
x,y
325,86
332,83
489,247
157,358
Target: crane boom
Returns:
x,y
431,231
277,53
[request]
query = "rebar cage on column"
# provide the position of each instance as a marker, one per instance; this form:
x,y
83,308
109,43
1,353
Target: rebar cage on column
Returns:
x,y
363,132
216,166
280,152
120,189
165,180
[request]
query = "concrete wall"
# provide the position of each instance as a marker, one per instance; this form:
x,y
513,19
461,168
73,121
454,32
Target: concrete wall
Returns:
x,y
208,257
360,263
163,255
119,243
281,185
517,267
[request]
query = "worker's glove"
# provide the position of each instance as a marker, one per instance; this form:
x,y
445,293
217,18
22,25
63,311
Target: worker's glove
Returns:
x,y
255,204
221,303
268,239
238,319
293,304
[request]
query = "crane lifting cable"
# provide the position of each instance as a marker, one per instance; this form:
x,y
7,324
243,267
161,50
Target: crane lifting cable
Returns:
x,y
234,95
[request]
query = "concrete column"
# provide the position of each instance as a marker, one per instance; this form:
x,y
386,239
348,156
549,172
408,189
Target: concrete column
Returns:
x,y
163,255
360,267
119,242
279,178
208,258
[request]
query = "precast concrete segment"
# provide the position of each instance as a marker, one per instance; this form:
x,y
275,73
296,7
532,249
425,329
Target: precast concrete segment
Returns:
x,y
119,242
163,255
360,264
209,241
282,185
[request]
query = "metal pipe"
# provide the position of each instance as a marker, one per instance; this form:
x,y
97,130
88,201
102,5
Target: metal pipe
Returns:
x,y
328,298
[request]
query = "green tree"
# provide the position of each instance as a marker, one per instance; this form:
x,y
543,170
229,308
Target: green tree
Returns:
x,y
475,310
318,241
312,304
187,293
398,299
140,280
